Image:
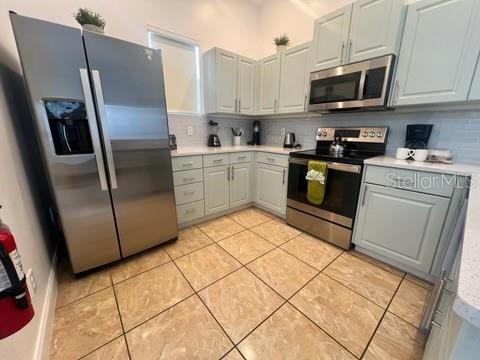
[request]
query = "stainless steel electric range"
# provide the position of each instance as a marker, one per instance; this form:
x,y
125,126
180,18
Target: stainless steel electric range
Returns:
x,y
332,220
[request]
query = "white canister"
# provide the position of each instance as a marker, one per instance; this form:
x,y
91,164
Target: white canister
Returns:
x,y
420,155
236,140
402,153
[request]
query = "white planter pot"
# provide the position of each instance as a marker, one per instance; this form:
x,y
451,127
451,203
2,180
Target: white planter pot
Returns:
x,y
93,28
281,48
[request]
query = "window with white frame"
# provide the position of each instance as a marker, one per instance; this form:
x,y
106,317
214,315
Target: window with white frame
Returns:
x,y
181,68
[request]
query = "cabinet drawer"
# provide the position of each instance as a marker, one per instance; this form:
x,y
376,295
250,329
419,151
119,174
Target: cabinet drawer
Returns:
x,y
187,162
191,211
187,177
420,181
272,159
241,157
188,193
215,160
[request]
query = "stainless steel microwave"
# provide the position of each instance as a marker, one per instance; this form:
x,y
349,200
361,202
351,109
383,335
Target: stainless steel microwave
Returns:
x,y
363,85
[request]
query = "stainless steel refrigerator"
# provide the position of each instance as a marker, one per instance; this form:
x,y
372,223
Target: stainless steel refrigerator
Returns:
x,y
101,120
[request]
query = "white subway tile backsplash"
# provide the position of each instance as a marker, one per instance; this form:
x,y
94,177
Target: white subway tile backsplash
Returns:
x,y
458,131
178,124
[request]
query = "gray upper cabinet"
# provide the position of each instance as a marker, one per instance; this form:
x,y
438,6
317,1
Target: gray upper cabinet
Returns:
x,y
268,84
294,79
474,93
229,82
330,37
363,30
440,48
375,29
401,225
246,85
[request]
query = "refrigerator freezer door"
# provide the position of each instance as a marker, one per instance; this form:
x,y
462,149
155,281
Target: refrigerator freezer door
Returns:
x,y
52,58
129,91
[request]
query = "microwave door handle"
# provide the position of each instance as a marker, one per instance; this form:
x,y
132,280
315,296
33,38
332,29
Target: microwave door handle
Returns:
x,y
97,86
361,86
92,124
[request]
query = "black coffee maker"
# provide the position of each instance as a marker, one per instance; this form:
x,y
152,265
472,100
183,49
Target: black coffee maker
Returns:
x,y
256,133
418,136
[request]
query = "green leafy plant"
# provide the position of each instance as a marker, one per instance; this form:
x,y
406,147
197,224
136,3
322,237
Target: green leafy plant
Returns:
x,y
86,16
281,40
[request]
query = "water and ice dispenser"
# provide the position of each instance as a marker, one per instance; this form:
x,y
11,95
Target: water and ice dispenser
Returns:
x,y
69,128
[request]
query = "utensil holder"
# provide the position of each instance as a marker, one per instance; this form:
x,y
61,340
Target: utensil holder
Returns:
x,y
236,140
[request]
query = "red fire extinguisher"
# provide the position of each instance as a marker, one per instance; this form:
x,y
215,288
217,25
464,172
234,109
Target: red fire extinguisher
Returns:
x,y
16,308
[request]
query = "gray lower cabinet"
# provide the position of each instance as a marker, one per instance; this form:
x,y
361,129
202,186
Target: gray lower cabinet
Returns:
x,y
241,184
271,187
217,194
402,225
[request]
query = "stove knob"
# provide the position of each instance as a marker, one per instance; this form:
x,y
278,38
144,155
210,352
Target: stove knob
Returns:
x,y
372,134
379,134
365,134
324,133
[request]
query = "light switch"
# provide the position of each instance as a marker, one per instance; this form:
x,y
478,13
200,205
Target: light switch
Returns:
x,y
189,130
282,131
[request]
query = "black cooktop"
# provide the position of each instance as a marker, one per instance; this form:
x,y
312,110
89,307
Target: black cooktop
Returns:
x,y
324,154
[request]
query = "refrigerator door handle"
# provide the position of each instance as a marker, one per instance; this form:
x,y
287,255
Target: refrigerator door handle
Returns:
x,y
92,123
97,86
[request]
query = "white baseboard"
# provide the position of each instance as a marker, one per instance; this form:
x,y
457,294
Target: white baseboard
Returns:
x,y
47,316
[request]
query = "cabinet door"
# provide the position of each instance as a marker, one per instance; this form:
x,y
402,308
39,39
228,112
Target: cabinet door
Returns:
x,y
402,225
439,52
241,184
294,78
474,93
375,29
226,81
271,187
269,81
330,36
216,192
246,85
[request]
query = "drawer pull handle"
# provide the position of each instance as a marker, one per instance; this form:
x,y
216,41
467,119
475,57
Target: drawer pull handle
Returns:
x,y
187,164
271,159
190,192
241,157
217,160
190,211
188,179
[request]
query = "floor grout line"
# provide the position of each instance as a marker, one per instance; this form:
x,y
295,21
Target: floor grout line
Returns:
x,y
381,319
284,300
208,309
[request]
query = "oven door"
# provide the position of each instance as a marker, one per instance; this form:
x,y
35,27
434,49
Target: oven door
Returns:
x,y
341,192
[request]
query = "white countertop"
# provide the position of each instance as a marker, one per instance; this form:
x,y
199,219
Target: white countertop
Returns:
x,y
467,302
204,150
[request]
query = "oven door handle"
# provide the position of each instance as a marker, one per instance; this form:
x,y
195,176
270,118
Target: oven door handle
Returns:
x,y
357,169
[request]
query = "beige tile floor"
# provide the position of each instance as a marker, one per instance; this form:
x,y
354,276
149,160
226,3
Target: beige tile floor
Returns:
x,y
247,286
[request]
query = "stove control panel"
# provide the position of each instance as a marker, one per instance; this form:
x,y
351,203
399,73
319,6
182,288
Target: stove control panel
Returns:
x,y
363,134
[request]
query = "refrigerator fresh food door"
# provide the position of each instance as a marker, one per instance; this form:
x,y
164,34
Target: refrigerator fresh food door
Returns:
x,y
55,71
129,90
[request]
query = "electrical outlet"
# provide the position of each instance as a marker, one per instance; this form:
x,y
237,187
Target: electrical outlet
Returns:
x,y
282,131
33,283
189,130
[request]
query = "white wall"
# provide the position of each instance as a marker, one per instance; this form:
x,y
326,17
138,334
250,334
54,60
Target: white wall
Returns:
x,y
230,24
293,17
16,197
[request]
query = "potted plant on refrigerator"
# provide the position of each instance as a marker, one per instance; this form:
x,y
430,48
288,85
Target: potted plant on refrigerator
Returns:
x,y
90,20
281,42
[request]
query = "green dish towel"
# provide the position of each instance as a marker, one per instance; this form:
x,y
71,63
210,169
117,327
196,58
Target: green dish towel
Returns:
x,y
315,189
